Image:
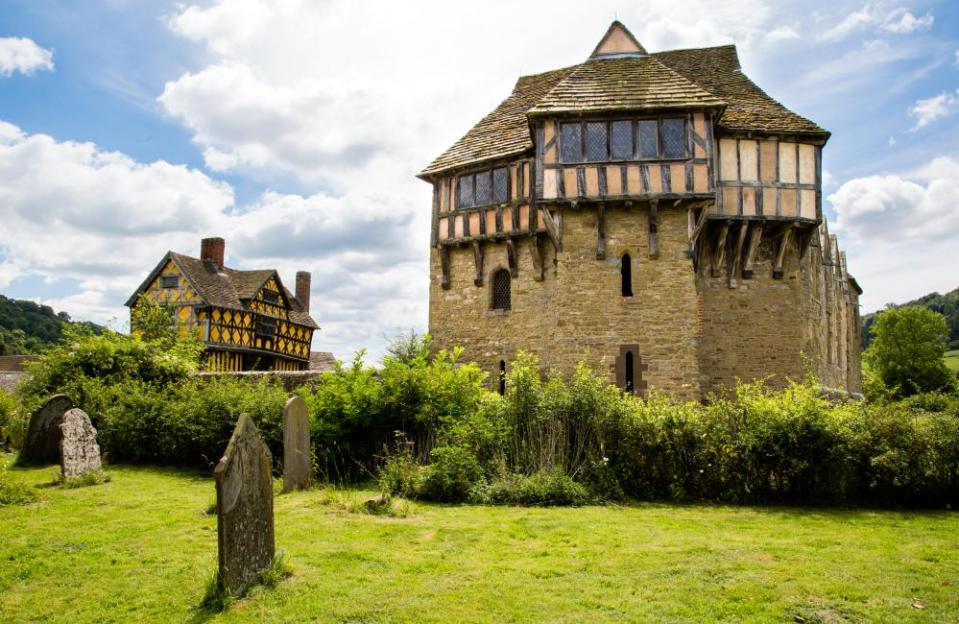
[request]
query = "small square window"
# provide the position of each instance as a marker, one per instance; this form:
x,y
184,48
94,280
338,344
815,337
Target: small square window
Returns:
x,y
483,189
169,281
621,140
571,143
500,190
674,138
271,296
596,141
465,192
265,328
648,140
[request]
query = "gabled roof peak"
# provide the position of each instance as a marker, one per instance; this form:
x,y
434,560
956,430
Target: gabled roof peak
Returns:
x,y
618,42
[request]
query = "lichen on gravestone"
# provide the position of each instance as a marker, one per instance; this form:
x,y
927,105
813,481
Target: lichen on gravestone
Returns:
x,y
244,493
79,451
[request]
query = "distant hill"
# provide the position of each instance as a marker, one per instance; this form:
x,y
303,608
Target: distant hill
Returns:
x,y
946,305
28,327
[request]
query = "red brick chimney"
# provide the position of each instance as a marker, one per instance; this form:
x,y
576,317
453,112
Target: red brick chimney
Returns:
x,y
303,289
214,250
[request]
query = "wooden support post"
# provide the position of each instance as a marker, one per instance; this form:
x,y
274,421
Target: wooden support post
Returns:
x,y
536,253
478,261
737,257
719,252
653,228
805,240
445,266
601,232
511,258
781,252
696,231
755,237
552,229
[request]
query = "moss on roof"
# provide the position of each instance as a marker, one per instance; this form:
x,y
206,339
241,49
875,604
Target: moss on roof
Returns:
x,y
694,78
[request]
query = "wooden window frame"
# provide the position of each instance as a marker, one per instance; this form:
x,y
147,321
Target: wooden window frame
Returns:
x,y
634,127
472,177
165,282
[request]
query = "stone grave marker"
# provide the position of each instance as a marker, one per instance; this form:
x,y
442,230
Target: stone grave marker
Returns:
x,y
42,444
244,501
79,451
297,463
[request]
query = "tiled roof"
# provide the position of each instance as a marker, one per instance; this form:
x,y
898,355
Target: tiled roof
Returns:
x,y
322,361
674,79
226,288
749,108
616,84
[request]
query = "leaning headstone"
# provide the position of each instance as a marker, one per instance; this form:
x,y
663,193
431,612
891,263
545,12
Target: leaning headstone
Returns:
x,y
42,444
244,503
297,462
79,451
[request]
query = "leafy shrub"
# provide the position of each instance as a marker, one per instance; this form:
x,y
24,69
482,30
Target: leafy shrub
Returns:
x,y
453,472
8,415
543,488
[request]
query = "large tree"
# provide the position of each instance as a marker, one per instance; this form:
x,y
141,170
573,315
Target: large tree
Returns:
x,y
907,348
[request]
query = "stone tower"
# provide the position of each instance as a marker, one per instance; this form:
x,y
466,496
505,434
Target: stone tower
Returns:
x,y
657,215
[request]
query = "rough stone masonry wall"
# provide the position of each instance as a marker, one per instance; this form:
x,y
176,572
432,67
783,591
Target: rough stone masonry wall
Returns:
x,y
578,311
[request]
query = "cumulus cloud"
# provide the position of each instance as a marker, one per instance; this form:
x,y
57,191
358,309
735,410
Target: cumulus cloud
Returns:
x,y
930,109
871,17
20,54
896,227
100,219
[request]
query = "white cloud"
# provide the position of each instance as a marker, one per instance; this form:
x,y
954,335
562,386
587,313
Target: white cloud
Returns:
x,y
902,21
930,109
72,211
896,227
20,54
870,17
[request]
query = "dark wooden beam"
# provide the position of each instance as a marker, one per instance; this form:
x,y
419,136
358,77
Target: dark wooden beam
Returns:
x,y
755,237
784,241
445,265
601,232
478,262
552,229
737,257
719,251
536,253
653,228
511,258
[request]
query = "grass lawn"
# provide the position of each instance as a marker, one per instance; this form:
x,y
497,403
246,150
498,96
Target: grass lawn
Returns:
x,y
952,360
140,548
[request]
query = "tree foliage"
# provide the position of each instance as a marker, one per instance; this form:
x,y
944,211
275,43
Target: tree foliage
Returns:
x,y
946,305
907,348
28,327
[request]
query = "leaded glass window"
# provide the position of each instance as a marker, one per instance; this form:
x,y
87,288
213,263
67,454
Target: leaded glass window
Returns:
x,y
501,290
674,138
465,191
571,142
648,139
483,189
500,191
621,140
596,141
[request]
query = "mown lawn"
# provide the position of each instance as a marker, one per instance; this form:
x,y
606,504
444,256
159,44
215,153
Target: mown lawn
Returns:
x,y
140,548
952,360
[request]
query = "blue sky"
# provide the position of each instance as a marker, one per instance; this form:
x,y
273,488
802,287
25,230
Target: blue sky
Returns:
x,y
294,129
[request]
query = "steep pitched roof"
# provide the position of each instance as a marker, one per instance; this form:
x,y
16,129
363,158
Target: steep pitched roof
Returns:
x,y
631,80
749,108
226,287
618,40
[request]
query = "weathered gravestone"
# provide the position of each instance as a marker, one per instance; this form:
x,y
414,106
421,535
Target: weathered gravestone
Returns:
x,y
42,444
79,451
297,463
244,503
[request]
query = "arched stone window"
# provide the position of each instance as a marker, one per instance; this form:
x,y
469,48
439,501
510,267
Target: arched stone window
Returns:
x,y
626,275
501,290
502,377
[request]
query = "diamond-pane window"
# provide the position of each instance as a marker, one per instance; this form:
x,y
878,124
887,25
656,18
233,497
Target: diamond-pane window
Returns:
x,y
483,189
596,141
621,140
674,138
571,142
499,185
648,140
465,191
501,290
